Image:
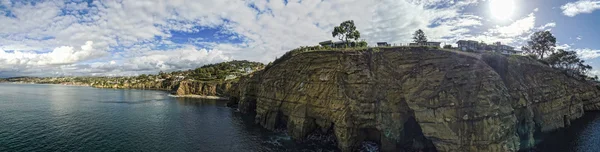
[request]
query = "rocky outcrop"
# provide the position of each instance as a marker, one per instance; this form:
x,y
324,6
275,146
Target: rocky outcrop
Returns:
x,y
415,99
181,88
203,88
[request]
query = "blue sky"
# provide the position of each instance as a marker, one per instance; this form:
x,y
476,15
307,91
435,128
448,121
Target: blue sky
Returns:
x,y
126,37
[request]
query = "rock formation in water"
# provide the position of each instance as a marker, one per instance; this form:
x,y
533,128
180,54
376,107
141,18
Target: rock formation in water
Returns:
x,y
203,88
415,98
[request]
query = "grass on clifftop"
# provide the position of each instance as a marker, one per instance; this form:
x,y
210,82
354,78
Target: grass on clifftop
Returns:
x,y
305,49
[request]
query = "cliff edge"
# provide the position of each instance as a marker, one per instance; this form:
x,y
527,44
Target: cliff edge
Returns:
x,y
415,98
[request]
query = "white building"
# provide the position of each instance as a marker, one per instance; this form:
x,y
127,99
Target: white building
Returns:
x,y
229,77
433,44
469,45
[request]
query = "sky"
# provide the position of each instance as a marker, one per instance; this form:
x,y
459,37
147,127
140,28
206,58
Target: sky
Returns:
x,y
130,37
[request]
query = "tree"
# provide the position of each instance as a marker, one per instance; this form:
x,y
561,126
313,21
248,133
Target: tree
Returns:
x,y
568,61
447,46
541,43
361,43
346,31
419,36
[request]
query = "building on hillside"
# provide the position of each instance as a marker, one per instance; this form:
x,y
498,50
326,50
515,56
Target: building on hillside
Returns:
x,y
330,43
468,45
504,49
179,77
383,44
326,43
230,77
248,70
433,44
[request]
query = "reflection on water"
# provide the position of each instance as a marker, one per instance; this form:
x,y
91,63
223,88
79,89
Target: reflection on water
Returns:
x,y
201,102
69,118
582,136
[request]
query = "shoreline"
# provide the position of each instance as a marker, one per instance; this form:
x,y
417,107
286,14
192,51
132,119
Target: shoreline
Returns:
x,y
199,97
169,94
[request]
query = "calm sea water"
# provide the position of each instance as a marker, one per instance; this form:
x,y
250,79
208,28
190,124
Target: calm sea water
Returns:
x,y
582,136
71,118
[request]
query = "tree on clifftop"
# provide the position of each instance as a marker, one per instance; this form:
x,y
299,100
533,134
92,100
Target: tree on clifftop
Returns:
x,y
346,31
568,61
419,36
541,43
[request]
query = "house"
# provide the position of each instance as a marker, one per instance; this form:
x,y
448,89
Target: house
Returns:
x,y
383,44
504,49
337,44
330,43
433,44
326,43
248,70
468,45
230,77
179,77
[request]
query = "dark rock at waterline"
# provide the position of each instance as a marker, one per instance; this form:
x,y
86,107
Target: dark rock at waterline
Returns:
x,y
415,99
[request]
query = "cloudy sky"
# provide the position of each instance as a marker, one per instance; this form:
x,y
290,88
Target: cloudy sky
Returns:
x,y
130,37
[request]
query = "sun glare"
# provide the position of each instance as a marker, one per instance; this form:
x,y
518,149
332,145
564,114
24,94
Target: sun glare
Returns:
x,y
502,10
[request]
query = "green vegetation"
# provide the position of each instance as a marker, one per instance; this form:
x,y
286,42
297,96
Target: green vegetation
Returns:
x,y
346,31
568,62
540,44
220,71
212,72
447,46
543,43
419,36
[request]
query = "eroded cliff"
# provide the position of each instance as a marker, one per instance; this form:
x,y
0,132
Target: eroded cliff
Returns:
x,y
182,88
415,99
203,88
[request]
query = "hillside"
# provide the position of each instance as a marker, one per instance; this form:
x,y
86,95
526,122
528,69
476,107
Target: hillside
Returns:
x,y
208,80
415,98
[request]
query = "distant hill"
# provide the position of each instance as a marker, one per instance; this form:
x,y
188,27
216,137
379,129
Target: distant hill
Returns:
x,y
220,71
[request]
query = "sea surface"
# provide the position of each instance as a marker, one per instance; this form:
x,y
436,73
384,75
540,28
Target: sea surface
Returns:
x,y
582,136
72,118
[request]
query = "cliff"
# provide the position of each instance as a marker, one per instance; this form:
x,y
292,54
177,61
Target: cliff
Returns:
x,y
415,98
203,88
181,88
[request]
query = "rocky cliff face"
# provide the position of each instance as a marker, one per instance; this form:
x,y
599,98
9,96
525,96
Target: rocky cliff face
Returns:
x,y
202,88
415,99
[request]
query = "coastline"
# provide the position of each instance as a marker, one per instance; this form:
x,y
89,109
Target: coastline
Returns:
x,y
170,95
199,97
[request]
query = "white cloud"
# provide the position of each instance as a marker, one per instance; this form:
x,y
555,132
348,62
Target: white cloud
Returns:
x,y
134,33
547,26
582,6
594,73
515,33
517,28
587,54
563,46
58,56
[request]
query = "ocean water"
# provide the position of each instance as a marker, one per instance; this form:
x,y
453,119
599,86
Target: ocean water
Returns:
x,y
582,136
72,118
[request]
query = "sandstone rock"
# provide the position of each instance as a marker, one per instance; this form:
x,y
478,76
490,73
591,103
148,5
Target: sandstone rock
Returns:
x,y
203,88
397,97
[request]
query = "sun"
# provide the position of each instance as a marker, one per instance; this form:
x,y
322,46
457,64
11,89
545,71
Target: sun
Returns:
x,y
502,10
